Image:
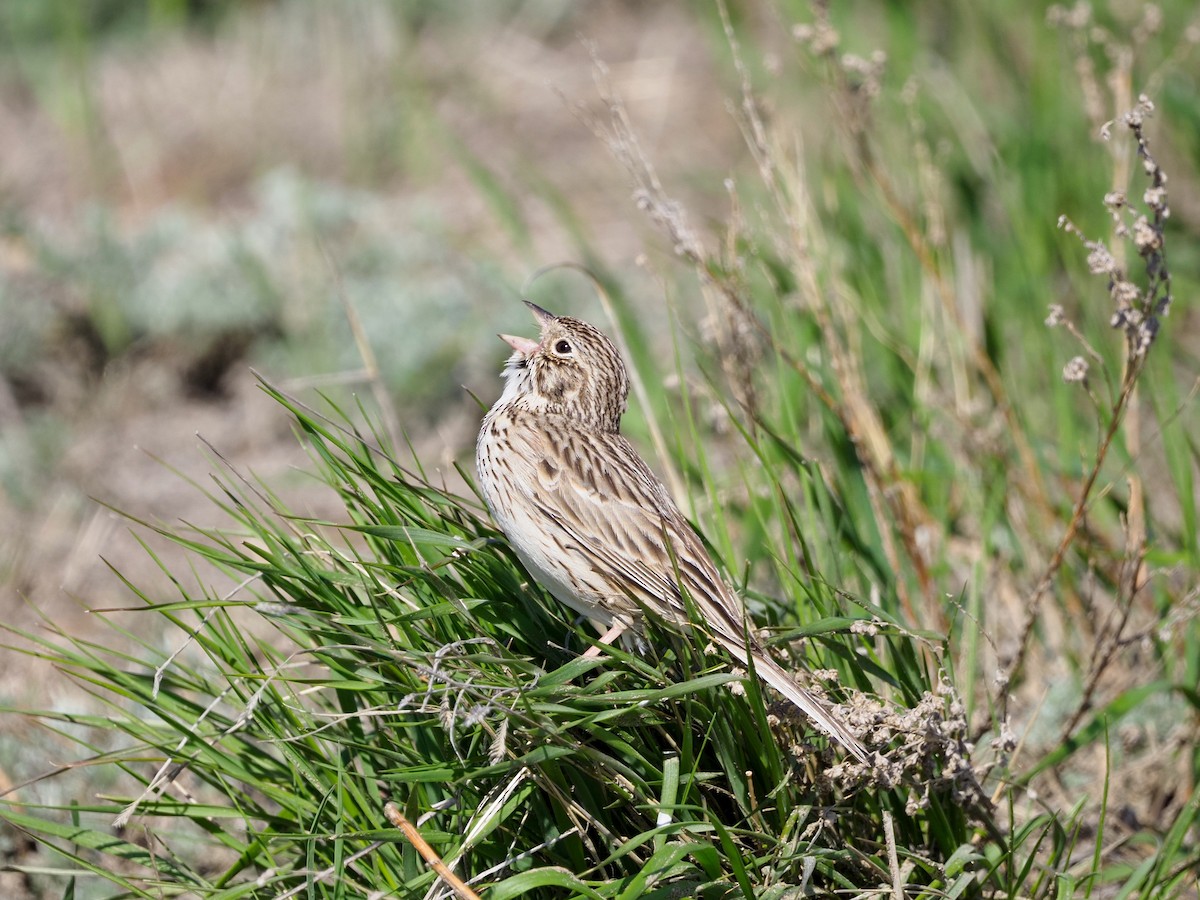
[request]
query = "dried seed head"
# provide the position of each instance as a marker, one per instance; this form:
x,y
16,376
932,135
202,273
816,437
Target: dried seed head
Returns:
x,y
1075,371
1125,294
1156,197
1100,261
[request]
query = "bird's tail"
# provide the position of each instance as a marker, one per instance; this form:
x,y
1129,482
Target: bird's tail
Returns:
x,y
778,677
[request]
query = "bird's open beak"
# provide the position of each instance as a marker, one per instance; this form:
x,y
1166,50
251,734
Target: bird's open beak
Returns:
x,y
543,318
527,346
523,345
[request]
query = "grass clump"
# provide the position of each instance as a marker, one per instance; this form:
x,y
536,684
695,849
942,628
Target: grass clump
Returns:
x,y
399,656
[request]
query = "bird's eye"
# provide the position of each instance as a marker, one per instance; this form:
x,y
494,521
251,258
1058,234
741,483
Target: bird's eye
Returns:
x,y
562,348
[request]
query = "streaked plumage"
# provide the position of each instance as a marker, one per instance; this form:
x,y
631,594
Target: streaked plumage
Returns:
x,y
585,514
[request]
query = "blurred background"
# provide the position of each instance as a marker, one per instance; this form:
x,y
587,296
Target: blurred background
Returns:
x,y
190,190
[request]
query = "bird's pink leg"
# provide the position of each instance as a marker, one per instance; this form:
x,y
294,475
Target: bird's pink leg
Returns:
x,y
618,628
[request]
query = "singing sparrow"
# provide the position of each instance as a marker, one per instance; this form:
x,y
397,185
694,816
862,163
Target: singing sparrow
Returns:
x,y
588,518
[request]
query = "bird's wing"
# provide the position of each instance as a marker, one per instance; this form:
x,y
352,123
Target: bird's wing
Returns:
x,y
597,492
594,488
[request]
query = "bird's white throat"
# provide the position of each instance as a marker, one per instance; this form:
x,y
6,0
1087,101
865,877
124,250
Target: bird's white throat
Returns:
x,y
516,378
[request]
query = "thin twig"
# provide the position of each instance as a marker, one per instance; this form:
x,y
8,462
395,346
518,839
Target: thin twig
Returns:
x,y
1034,605
460,887
1111,639
331,873
889,836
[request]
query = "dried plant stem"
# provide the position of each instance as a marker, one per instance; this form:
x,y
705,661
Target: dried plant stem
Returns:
x,y
1137,314
1032,485
854,118
1134,576
1034,604
1112,639
330,874
889,836
895,503
410,831
874,452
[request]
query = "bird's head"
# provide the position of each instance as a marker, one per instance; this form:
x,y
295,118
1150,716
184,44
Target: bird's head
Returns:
x,y
572,370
